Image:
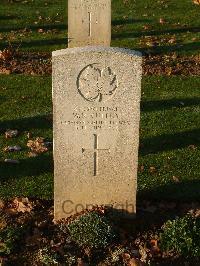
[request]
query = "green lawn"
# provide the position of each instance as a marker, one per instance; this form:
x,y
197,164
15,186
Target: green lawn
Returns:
x,y
169,160
169,153
135,24
170,137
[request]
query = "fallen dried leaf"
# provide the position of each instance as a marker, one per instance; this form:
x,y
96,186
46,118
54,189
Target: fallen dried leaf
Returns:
x,y
154,246
196,2
38,145
162,21
20,205
141,168
172,40
5,71
146,27
40,30
143,253
11,133
176,179
197,213
12,148
126,256
6,54
2,204
152,169
192,147
32,154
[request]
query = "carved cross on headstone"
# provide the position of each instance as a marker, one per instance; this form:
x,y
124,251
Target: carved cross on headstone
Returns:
x,y
96,151
89,22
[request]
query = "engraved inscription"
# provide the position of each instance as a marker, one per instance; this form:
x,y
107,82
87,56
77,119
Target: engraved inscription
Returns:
x,y
96,151
96,84
90,5
96,118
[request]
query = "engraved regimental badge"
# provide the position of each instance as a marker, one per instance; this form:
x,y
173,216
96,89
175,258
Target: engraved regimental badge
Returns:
x,y
96,84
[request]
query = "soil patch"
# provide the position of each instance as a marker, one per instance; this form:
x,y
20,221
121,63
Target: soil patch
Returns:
x,y
40,64
43,240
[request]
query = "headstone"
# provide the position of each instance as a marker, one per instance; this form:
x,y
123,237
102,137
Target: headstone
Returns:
x,y
96,99
89,22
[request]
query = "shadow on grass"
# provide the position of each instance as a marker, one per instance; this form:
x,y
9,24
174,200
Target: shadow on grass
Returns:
x,y
38,43
27,167
148,106
118,22
185,191
8,17
134,34
167,142
2,99
43,122
35,27
171,48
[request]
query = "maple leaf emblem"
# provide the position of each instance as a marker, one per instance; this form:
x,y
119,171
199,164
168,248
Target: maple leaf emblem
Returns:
x,y
95,84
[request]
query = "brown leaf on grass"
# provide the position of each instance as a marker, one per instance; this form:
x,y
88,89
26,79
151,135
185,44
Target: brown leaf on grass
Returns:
x,y
23,205
40,30
6,54
172,40
146,27
192,147
176,179
3,224
12,148
32,154
141,168
19,205
11,133
196,2
2,204
38,145
152,169
197,213
162,21
5,71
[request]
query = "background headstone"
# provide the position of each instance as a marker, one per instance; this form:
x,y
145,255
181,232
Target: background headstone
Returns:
x,y
96,99
89,22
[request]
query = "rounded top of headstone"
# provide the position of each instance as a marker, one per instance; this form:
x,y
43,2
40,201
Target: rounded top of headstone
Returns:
x,y
100,49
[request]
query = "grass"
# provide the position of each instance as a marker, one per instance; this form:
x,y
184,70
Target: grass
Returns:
x,y
128,19
169,155
25,103
170,137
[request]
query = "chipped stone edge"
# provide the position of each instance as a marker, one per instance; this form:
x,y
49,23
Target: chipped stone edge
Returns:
x,y
88,49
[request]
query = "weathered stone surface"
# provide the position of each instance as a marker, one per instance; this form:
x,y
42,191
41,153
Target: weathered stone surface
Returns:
x,y
89,22
96,99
